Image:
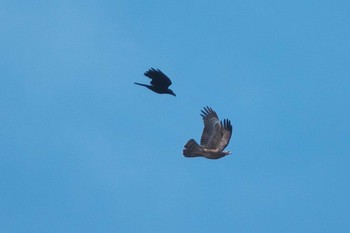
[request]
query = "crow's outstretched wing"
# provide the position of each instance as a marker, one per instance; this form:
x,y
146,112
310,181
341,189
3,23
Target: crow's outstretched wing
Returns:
x,y
159,79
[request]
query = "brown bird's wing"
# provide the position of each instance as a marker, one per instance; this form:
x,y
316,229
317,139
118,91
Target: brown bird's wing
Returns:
x,y
226,134
211,136
158,78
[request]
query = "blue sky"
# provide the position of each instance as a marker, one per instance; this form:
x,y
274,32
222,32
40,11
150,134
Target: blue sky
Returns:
x,y
86,150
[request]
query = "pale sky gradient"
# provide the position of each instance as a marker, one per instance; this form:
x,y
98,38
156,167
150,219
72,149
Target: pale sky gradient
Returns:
x,y
86,150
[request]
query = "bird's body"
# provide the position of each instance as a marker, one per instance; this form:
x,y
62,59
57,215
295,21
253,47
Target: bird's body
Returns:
x,y
160,82
215,137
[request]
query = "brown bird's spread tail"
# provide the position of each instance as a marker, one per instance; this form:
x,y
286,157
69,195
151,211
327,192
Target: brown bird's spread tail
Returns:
x,y
190,147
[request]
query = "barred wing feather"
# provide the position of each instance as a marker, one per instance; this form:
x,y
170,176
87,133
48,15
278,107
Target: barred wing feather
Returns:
x,y
211,135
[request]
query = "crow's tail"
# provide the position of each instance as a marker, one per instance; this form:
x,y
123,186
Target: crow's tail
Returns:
x,y
142,84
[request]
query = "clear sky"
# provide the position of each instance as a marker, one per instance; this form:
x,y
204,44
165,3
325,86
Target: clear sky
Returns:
x,y
83,149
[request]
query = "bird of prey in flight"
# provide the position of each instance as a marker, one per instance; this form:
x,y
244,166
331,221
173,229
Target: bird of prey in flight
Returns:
x,y
160,82
215,137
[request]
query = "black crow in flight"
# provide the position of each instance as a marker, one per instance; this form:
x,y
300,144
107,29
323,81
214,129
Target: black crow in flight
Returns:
x,y
160,82
215,137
